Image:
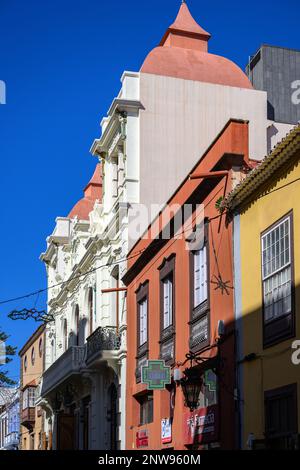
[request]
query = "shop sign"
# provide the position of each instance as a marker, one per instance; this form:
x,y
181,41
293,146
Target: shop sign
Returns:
x,y
166,431
201,426
156,375
142,438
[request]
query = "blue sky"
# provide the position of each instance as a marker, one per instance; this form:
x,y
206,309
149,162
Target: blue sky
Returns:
x,y
61,61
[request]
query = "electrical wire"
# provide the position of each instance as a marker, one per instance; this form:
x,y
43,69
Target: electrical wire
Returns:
x,y
113,263
46,289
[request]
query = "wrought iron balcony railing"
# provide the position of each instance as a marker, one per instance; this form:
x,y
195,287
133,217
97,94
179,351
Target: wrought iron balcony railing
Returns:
x,y
68,364
103,339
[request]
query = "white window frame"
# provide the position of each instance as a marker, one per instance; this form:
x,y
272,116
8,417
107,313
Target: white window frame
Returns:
x,y
276,265
200,276
143,321
168,302
29,398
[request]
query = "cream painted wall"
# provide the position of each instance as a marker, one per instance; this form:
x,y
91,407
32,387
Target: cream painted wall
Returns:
x,y
181,119
274,369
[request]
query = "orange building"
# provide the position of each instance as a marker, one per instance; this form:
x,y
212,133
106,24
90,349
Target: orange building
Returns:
x,y
32,417
180,301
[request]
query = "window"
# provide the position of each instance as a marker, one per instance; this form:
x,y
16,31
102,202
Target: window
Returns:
x,y
200,277
277,262
167,310
281,418
199,297
65,335
143,322
25,363
32,356
168,302
142,298
146,408
29,398
41,347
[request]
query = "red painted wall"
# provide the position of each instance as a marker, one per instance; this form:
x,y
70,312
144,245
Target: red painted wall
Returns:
x,y
229,148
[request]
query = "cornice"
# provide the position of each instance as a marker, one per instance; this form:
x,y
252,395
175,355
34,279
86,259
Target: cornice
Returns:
x,y
119,107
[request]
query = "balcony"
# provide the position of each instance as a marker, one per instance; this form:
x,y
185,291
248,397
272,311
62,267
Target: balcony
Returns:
x,y
104,340
11,441
28,417
68,364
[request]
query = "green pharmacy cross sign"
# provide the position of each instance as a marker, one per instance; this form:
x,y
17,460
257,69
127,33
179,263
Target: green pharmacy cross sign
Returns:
x,y
156,375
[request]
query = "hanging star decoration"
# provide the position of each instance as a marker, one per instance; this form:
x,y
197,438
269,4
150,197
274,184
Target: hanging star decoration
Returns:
x,y
222,285
33,313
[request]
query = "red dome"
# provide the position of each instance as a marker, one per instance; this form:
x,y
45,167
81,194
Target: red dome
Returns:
x,y
82,209
183,54
92,192
194,65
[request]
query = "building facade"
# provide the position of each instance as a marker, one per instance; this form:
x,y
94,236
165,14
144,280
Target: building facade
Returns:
x,y
9,419
180,302
156,126
32,417
265,210
276,70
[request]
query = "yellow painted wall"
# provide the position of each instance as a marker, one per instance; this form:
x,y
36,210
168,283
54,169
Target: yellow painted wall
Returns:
x,y
275,368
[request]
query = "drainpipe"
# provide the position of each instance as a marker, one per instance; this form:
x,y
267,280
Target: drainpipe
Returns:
x,y
238,326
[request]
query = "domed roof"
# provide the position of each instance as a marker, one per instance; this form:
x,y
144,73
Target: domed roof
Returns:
x,y
92,192
183,53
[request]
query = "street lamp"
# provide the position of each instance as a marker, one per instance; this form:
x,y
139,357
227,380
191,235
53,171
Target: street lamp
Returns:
x,y
191,386
192,381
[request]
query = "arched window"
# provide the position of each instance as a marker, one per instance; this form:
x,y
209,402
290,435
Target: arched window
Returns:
x,y
41,347
65,335
32,356
77,325
90,310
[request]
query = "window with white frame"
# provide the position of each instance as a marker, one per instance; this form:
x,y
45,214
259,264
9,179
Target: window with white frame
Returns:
x,y
168,302
200,276
29,398
276,271
143,322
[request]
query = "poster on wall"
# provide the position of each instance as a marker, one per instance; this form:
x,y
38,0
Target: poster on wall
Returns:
x,y
142,438
166,431
201,426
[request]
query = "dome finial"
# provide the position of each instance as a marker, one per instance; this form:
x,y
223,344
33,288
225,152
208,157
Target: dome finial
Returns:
x,y
186,32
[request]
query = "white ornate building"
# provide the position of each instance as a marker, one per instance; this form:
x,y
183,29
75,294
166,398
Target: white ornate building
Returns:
x,y
164,117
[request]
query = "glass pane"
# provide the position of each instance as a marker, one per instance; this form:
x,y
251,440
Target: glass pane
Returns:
x,y
276,249
277,295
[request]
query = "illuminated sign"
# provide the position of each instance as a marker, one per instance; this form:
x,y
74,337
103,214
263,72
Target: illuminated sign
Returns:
x,y
156,375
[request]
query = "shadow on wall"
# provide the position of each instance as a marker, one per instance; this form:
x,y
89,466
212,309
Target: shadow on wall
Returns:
x,y
265,369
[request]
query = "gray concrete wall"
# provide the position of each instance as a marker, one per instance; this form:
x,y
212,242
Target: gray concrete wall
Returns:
x,y
274,70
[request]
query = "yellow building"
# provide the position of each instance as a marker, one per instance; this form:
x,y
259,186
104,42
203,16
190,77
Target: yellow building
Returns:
x,y
32,416
266,211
